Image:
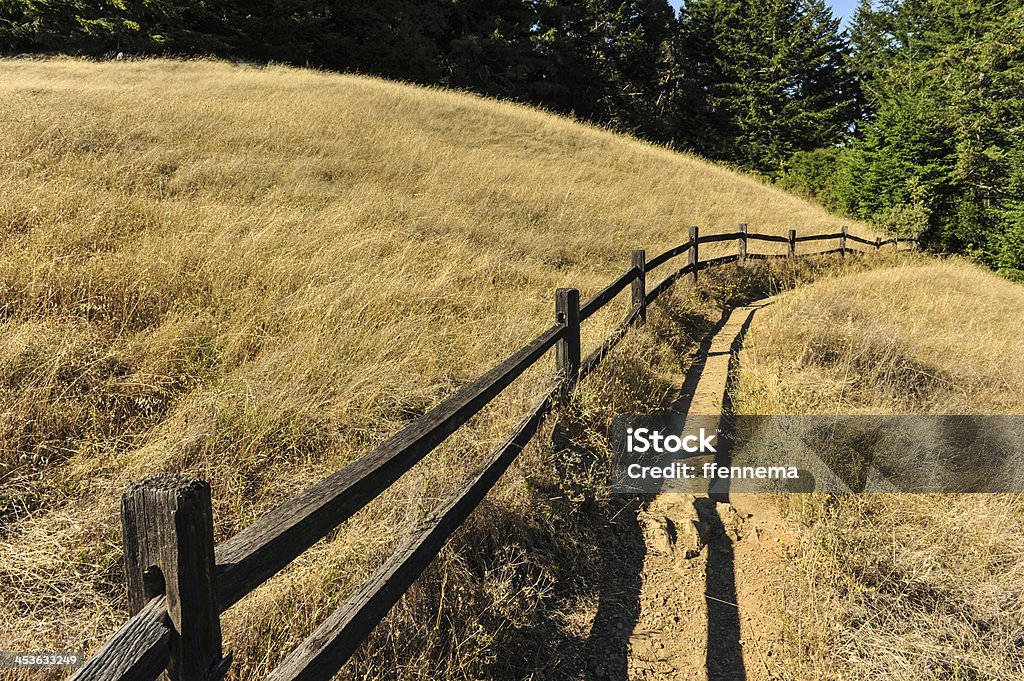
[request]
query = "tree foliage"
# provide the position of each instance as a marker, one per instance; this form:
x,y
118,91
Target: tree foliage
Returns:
x,y
944,80
773,76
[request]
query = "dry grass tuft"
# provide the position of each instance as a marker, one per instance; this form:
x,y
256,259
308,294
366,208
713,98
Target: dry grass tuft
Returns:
x,y
255,275
900,587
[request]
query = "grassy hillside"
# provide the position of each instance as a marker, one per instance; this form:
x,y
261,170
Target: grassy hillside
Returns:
x,y
902,587
255,275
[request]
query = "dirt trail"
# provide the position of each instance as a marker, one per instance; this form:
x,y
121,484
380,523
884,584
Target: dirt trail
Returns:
x,y
711,593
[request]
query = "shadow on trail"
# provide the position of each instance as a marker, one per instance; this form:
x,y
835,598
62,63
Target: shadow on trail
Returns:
x,y
724,657
724,661
606,649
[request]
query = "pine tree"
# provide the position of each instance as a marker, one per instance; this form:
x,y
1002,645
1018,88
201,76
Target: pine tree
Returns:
x,y
637,57
393,38
488,47
966,60
568,40
772,76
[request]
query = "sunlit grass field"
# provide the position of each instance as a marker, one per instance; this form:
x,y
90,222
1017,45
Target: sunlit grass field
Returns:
x,y
254,275
902,587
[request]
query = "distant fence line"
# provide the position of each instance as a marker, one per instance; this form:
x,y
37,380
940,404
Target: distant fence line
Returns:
x,y
179,582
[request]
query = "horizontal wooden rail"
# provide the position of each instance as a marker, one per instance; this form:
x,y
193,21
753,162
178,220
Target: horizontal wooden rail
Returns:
x,y
591,361
142,648
139,650
820,237
716,262
768,237
770,256
667,283
726,236
859,240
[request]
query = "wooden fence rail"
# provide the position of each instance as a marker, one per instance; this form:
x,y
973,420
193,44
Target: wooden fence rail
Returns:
x,y
179,583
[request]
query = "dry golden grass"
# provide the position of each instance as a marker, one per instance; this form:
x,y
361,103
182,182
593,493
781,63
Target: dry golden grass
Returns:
x,y
255,275
902,587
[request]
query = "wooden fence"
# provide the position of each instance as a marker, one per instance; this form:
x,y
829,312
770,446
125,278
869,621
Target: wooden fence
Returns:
x,y
179,582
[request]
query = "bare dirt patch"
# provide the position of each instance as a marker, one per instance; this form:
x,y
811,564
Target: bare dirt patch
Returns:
x,y
713,595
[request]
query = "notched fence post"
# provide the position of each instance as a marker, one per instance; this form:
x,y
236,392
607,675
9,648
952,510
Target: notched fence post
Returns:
x,y
878,243
842,243
639,288
741,243
168,548
694,254
792,243
567,351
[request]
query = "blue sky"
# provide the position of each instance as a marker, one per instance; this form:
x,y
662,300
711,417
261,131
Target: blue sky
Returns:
x,y
841,8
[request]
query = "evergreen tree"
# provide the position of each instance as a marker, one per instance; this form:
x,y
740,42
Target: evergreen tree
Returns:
x,y
393,38
899,171
568,40
488,47
946,78
772,75
637,55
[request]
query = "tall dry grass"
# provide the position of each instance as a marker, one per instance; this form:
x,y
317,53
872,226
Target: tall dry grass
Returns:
x,y
902,587
255,275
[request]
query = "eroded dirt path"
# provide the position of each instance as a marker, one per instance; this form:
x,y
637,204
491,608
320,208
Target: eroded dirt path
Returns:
x,y
712,586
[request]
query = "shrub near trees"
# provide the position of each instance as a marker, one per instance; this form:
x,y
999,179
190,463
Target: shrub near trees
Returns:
x,y
911,119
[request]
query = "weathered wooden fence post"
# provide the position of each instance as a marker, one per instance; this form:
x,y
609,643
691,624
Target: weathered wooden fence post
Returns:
x,y
878,243
694,254
168,549
639,288
567,351
792,243
842,242
742,243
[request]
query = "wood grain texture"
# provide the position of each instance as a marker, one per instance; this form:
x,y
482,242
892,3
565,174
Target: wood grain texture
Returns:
x,y
168,541
138,651
638,291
